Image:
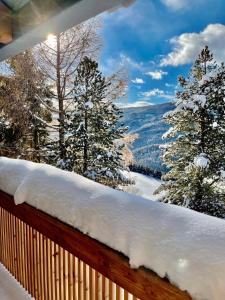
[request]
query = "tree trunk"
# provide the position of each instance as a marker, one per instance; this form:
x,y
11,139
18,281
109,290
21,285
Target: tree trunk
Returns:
x,y
60,103
36,145
85,157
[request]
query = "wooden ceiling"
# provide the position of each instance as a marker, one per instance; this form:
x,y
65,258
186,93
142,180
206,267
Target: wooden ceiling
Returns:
x,y
24,23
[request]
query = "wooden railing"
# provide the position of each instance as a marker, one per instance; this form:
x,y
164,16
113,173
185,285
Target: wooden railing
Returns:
x,y
53,261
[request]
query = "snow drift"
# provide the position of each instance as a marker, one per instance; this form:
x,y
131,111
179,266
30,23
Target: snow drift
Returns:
x,y
186,246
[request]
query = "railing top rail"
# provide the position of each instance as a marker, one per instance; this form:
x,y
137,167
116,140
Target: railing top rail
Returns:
x,y
142,283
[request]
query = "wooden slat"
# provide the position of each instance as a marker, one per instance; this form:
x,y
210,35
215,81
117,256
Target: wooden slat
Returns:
x,y
31,262
96,285
52,270
56,249
70,277
19,249
79,280
118,292
84,282
103,288
91,289
75,278
141,283
111,297
64,273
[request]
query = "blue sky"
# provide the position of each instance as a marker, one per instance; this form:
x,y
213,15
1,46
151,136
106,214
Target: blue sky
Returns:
x,y
156,40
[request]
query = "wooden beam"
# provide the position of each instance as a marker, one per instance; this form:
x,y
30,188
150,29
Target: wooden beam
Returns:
x,y
5,24
142,283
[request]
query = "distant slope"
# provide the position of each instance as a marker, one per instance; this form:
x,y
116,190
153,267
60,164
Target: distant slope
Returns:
x,y
148,123
144,186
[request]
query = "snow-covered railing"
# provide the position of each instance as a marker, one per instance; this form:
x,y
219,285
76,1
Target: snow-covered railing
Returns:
x,y
118,235
53,261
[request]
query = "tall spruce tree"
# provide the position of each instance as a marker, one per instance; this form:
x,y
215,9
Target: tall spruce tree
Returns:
x,y
196,154
93,147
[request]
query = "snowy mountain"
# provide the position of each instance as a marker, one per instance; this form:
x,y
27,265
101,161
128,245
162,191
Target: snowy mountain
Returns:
x,y
148,123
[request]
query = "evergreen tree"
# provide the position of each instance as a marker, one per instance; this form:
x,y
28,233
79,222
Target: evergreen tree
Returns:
x,y
93,143
196,153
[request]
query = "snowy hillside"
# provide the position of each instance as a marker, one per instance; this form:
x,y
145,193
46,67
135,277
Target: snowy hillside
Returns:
x,y
144,185
148,123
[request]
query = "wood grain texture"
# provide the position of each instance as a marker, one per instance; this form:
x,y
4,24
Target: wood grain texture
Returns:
x,y
142,284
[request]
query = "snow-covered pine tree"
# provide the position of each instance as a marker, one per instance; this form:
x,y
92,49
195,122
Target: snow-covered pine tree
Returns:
x,y
196,153
93,143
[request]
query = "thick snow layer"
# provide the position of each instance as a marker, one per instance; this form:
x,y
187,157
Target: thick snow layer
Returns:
x,y
89,105
10,289
201,161
15,169
186,246
168,133
208,76
222,172
196,102
201,99
144,185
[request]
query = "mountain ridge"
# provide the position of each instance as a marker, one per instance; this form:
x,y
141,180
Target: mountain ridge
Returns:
x,y
148,123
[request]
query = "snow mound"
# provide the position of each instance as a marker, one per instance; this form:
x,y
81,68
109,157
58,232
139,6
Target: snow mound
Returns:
x,y
89,105
186,246
10,289
201,161
15,169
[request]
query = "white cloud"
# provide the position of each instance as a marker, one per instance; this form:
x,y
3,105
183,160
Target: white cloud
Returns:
x,y
152,93
187,46
138,81
157,75
139,103
129,62
126,60
175,4
156,93
112,64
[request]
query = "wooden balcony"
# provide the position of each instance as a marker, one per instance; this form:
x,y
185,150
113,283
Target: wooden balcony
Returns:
x,y
53,261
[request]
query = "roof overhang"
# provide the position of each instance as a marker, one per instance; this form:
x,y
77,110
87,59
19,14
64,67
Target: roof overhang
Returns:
x,y
24,26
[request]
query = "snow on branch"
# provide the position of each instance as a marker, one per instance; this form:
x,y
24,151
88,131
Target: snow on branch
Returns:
x,y
52,109
201,161
44,122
